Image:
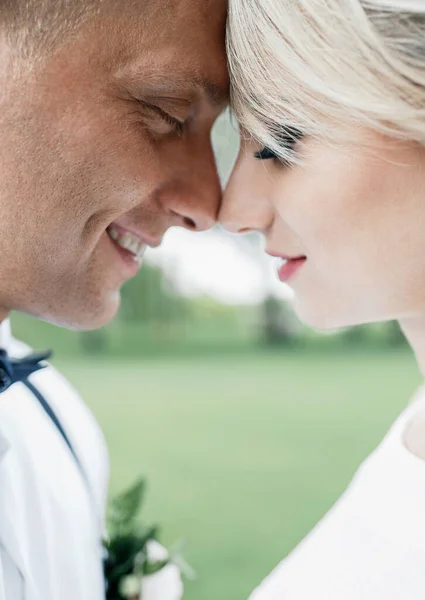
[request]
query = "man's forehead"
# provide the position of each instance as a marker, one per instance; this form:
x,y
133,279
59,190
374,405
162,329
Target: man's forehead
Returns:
x,y
178,47
208,11
180,17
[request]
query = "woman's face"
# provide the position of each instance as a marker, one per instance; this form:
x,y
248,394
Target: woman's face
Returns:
x,y
356,217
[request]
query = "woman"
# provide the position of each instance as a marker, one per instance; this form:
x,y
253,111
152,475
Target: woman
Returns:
x,y
330,97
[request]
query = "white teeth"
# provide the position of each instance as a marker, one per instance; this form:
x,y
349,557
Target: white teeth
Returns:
x,y
129,242
113,233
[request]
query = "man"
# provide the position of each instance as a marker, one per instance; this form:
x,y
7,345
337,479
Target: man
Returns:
x,y
106,110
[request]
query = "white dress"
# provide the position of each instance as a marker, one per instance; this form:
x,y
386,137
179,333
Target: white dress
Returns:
x,y
371,544
51,516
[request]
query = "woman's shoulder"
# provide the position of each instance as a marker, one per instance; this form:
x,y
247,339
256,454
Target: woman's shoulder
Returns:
x,y
367,545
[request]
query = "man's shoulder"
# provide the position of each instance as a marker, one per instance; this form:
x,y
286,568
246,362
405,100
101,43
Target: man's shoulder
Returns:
x,y
17,348
25,424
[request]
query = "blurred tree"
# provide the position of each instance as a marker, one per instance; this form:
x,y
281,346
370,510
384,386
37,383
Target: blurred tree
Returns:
x,y
279,323
94,342
150,297
359,334
395,336
385,334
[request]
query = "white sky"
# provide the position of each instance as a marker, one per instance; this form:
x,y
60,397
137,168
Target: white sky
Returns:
x,y
218,265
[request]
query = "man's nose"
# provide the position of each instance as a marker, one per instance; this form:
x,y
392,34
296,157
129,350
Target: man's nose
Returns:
x,y
193,197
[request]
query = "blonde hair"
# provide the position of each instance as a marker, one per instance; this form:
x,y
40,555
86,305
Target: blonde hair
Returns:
x,y
324,66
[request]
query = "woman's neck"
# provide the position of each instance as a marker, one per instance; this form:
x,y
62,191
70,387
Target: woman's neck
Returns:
x,y
414,330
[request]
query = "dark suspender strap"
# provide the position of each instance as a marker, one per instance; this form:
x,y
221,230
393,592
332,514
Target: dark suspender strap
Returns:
x,y
14,370
51,414
48,409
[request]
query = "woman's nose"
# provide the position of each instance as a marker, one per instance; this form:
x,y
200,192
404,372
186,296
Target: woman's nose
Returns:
x,y
244,206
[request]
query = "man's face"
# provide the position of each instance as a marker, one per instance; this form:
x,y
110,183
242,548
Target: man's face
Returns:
x,y
109,139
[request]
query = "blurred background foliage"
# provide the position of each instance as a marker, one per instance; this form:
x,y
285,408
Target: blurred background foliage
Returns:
x,y
247,424
155,319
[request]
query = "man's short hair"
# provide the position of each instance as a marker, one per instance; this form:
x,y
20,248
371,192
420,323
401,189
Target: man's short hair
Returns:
x,y
39,26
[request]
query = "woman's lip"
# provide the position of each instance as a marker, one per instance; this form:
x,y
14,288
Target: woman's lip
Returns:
x,y
284,256
290,268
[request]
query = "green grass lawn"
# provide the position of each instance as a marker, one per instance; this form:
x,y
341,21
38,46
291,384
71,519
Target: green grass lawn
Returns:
x,y
243,454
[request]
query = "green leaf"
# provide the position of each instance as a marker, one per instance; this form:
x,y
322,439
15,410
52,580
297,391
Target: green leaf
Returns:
x,y
125,507
150,568
128,539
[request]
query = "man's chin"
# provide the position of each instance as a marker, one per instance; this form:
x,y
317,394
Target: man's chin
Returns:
x,y
92,316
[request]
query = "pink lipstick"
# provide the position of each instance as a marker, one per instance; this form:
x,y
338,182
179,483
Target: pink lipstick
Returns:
x,y
288,266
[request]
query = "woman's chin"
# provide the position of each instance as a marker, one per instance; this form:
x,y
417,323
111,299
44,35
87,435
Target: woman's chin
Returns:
x,y
320,317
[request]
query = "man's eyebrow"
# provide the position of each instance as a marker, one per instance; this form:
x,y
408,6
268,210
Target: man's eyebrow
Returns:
x,y
217,94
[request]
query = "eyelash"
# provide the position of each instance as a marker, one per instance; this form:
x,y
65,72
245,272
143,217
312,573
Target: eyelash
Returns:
x,y
266,154
288,140
178,126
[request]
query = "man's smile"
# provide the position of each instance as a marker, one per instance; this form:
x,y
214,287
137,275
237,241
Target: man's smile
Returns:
x,y
132,243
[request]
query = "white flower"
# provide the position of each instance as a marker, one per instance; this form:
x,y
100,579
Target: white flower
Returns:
x,y
130,586
166,584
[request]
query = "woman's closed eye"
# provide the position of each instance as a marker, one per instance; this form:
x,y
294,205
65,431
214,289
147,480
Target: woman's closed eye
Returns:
x,y
287,139
266,154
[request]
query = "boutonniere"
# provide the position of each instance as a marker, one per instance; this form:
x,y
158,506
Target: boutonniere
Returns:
x,y
137,567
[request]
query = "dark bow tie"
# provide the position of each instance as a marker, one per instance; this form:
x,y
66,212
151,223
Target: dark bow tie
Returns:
x,y
19,369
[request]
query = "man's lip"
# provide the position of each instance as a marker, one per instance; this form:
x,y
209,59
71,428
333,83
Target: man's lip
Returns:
x,y
129,267
148,239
